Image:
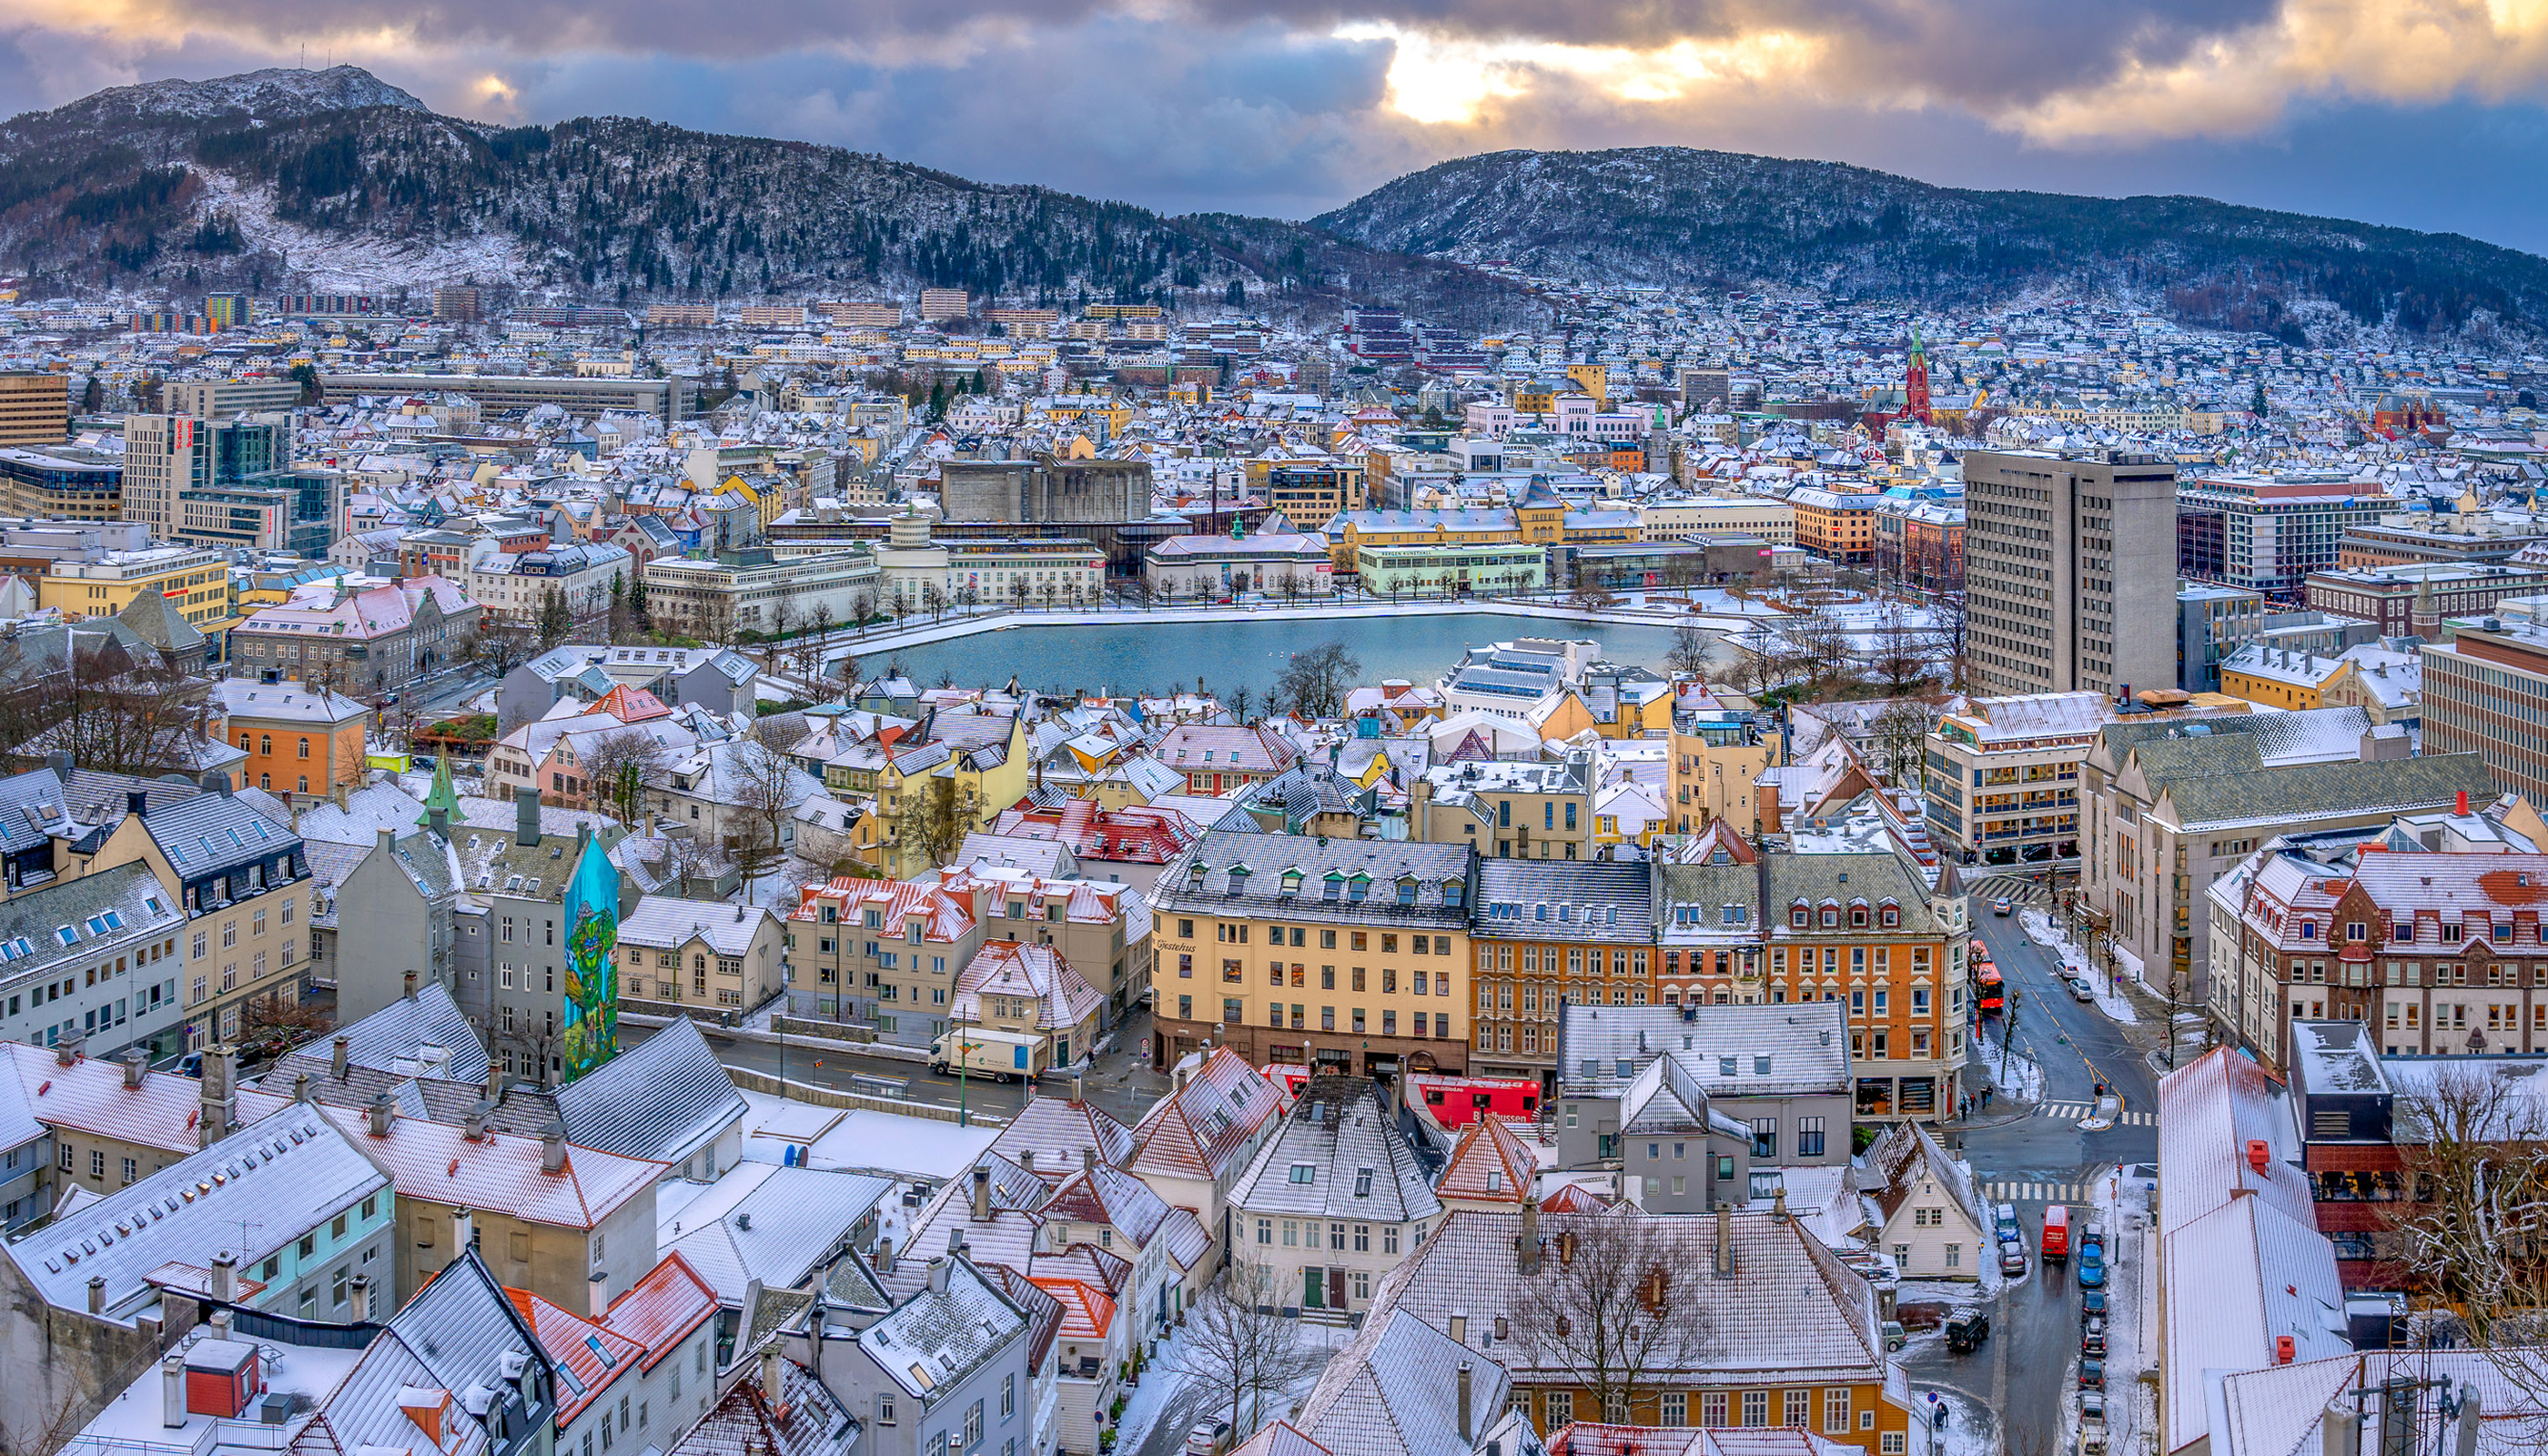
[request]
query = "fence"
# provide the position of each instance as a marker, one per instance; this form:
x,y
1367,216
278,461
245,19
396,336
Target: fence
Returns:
x,y
763,1083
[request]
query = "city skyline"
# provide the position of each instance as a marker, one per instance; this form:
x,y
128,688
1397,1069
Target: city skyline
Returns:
x,y
2317,106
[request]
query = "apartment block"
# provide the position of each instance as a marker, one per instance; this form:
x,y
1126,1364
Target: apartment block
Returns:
x,y
2486,693
2070,572
34,407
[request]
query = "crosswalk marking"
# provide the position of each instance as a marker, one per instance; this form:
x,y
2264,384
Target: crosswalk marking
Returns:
x,y
2013,1192
2074,1111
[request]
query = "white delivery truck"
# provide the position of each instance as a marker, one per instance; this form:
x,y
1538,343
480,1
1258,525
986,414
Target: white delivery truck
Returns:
x,y
987,1051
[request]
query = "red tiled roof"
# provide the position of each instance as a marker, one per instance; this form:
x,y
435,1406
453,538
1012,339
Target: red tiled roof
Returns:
x,y
1086,1314
571,1341
661,1309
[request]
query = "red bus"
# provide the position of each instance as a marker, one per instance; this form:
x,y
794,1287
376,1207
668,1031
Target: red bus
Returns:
x,y
1988,989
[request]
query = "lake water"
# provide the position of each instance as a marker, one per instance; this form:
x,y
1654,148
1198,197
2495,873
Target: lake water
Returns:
x,y
1137,655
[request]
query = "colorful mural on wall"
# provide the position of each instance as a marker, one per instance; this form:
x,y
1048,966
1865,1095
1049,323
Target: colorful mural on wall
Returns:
x,y
591,1024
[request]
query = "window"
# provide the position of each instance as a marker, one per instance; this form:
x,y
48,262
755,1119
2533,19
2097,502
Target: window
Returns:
x,y
1756,1408
1675,1409
1835,1410
1008,1396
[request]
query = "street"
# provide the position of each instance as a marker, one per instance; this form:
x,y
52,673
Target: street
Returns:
x,y
1118,1084
2032,1155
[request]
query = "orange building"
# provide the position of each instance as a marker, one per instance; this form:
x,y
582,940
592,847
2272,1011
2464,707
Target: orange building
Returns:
x,y
1838,526
298,742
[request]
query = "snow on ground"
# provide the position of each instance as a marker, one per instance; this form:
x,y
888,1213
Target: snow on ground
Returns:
x,y
2042,929
2018,1076
888,1144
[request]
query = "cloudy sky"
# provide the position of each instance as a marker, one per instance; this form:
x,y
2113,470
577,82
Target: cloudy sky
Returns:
x,y
2422,112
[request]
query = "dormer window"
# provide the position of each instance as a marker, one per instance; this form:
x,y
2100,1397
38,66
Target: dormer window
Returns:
x,y
1858,917
2404,931
1890,917
1539,912
1454,892
1291,881
1796,915
1195,877
1239,879
1359,886
1406,891
1335,884
1831,917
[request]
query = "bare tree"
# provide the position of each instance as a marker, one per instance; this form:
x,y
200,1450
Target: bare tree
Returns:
x,y
1763,664
1592,597
1239,1345
933,600
1901,740
863,605
1908,656
767,791
1689,654
1315,681
934,820
622,765
503,646
1820,641
1614,1298
2470,1219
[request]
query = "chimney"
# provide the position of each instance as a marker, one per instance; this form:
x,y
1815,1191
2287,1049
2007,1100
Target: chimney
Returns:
x,y
2340,1429
2461,808
1026,1158
407,984
220,1093
337,1057
67,1053
770,1374
2472,1414
1778,1203
383,840
982,1195
937,1276
2284,1349
172,1389
495,1080
464,1231
300,1086
598,1294
553,1147
219,1320
97,1294
526,815
136,803
136,1061
472,1124
1527,1246
438,820
1088,1160
225,1276
1724,1240
1467,1437
2259,1155
381,1116
360,1286
884,1255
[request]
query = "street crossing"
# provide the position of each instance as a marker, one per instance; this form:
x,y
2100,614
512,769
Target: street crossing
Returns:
x,y
2074,1111
2015,888
2018,1192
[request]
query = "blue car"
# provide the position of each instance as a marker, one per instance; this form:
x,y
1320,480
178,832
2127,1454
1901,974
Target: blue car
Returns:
x,y
2092,1269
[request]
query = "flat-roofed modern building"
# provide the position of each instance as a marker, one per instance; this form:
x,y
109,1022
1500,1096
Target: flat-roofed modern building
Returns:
x,y
668,399
2070,572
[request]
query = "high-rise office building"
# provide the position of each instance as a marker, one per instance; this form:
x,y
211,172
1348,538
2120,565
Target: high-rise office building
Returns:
x,y
458,304
168,457
2070,572
34,407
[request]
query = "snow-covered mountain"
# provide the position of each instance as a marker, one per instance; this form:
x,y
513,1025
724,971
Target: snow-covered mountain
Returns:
x,y
336,180
1675,215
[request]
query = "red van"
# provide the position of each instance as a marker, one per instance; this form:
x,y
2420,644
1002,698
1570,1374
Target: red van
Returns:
x,y
2056,1233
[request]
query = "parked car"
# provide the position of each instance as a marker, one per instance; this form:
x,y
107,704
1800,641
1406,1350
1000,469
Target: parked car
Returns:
x,y
1968,1328
2080,990
2092,1269
2092,1305
2092,1374
1210,1437
1895,1337
2000,906
2092,1408
2012,1259
2093,1341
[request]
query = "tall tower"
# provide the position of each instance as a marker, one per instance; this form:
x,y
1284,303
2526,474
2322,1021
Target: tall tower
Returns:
x,y
1915,382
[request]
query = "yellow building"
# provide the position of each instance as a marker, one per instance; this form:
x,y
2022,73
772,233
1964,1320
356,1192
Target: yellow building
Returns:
x,y
1594,380
2274,678
195,581
1341,954
1713,773
34,407
985,756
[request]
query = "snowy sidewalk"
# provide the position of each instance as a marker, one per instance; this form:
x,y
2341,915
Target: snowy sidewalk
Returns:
x,y
2041,929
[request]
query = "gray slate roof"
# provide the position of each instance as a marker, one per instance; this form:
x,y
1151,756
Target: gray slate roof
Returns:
x,y
1601,1049
1337,1126
1520,899
1259,893
661,1099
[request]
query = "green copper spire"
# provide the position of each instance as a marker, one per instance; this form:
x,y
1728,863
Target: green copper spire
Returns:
x,y
441,796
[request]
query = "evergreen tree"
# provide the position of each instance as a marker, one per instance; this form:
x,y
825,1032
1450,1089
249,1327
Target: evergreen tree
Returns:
x,y
1237,295
938,401
637,600
555,618
2257,405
